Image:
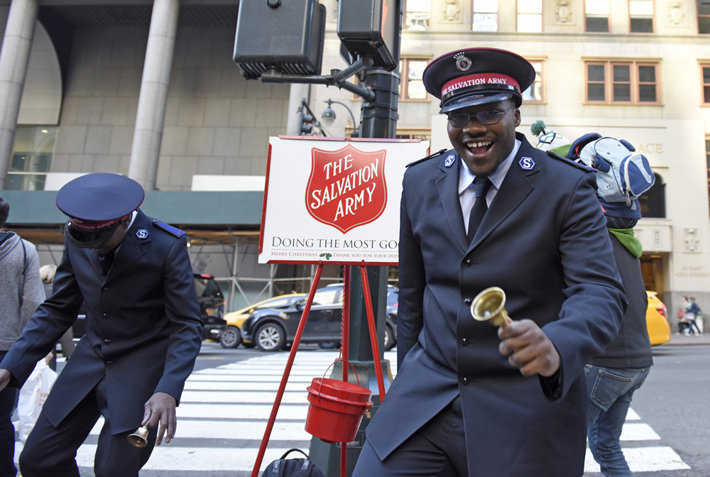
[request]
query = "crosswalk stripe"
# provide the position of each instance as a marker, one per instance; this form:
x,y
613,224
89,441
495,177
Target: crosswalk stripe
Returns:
x,y
239,378
644,459
638,432
215,429
242,396
291,386
189,459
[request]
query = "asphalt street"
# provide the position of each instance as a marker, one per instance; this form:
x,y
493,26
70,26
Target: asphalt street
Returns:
x,y
229,396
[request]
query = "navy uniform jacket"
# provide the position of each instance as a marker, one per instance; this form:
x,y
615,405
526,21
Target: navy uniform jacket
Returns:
x,y
544,241
143,325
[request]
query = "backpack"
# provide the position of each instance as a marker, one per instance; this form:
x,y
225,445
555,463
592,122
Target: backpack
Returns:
x,y
284,467
622,176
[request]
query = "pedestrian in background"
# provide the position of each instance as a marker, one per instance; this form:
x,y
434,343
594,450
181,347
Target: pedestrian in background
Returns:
x,y
693,315
143,332
470,399
616,374
684,325
20,294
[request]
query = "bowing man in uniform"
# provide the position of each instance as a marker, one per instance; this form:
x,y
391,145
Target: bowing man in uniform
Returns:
x,y
143,332
471,399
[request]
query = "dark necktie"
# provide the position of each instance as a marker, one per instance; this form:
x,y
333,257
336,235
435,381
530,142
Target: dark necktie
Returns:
x,y
481,184
107,261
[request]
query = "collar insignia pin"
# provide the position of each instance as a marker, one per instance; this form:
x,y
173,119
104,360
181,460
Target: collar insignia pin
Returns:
x,y
449,160
142,234
526,163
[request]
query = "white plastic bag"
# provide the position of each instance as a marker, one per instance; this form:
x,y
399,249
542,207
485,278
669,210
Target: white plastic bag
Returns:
x,y
32,396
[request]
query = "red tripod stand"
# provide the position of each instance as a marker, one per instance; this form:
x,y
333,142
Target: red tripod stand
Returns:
x,y
344,350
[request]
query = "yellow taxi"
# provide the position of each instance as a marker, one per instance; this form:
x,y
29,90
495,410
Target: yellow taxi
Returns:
x,y
231,336
659,331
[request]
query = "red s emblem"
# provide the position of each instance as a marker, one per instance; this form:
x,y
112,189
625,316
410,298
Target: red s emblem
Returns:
x,y
346,187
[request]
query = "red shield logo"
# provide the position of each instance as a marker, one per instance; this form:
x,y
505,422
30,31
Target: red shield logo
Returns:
x,y
346,188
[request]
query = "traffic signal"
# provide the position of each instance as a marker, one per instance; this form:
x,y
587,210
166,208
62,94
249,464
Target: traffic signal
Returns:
x,y
306,120
305,124
370,27
283,35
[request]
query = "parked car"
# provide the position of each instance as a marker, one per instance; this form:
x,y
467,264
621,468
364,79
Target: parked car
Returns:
x,y
659,330
272,329
231,335
211,305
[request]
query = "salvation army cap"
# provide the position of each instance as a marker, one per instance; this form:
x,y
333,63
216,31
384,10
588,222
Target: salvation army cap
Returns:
x,y
95,204
476,76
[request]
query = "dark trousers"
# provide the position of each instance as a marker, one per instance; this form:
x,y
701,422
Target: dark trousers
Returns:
x,y
8,398
50,451
437,450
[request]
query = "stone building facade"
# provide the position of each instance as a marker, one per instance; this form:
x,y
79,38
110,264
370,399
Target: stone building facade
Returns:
x,y
117,87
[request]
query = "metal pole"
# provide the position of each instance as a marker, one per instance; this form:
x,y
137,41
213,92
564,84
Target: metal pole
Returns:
x,y
379,120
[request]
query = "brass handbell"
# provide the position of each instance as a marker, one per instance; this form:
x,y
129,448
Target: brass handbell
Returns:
x,y
139,437
489,305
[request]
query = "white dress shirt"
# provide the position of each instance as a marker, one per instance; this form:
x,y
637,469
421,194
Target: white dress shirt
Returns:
x,y
466,177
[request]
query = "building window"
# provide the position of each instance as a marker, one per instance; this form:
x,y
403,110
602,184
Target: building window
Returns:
x,y
417,14
31,157
653,201
414,133
485,15
596,15
411,87
703,16
706,83
529,18
641,16
534,94
622,82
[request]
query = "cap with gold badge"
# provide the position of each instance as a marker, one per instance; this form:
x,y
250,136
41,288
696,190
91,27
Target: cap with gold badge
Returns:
x,y
475,76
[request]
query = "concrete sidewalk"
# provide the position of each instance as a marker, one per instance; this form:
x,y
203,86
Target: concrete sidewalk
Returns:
x,y
681,339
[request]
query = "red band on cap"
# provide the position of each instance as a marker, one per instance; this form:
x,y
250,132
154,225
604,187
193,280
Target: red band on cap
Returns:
x,y
94,225
480,79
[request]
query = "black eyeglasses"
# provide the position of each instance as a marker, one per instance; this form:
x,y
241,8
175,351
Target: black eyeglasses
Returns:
x,y
485,117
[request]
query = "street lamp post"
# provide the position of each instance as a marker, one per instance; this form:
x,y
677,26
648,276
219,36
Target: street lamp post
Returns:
x,y
328,116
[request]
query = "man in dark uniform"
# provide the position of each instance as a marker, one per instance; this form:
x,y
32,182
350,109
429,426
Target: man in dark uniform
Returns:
x,y
143,332
471,399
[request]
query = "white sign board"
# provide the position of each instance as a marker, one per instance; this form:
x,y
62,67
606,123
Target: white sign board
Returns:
x,y
334,200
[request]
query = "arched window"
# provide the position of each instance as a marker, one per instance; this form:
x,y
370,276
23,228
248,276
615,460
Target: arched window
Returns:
x,y
653,202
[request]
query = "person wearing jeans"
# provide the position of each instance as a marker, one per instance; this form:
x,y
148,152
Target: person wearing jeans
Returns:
x,y
610,393
614,376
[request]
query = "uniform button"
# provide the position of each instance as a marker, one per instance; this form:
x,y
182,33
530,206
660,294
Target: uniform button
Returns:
x,y
468,301
105,289
464,341
468,261
465,380
107,341
105,315
109,362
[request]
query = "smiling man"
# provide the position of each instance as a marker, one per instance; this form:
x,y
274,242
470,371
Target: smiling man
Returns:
x,y
470,399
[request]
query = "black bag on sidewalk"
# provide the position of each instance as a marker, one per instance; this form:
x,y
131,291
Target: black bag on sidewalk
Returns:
x,y
301,467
